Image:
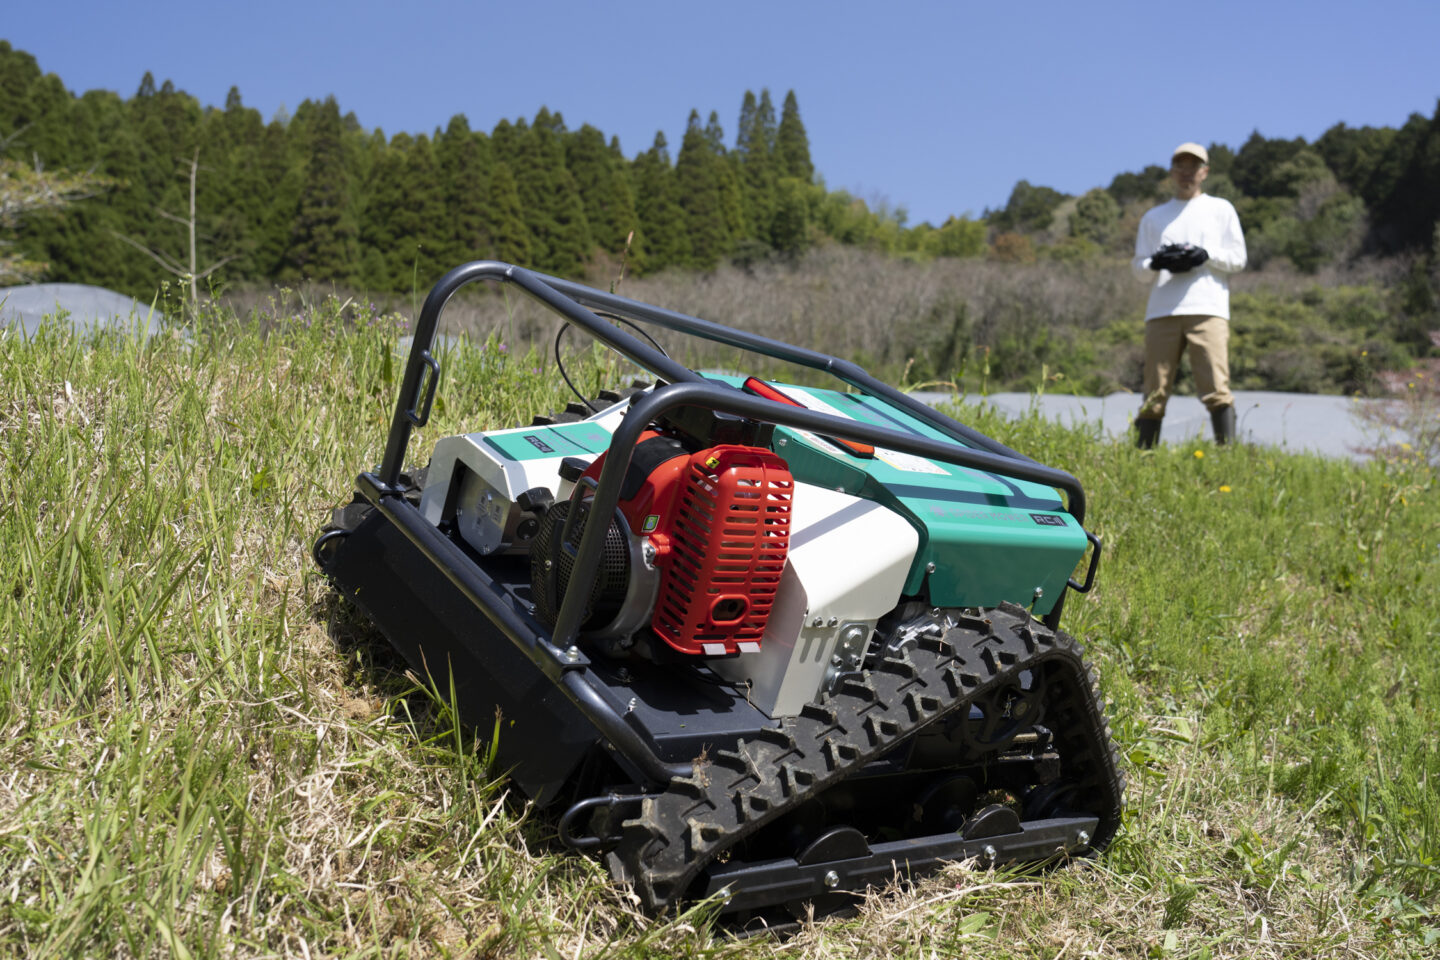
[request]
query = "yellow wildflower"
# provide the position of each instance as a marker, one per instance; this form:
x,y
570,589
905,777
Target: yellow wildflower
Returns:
x,y
1224,488
1199,454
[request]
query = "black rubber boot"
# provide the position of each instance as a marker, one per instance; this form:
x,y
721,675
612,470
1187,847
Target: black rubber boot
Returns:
x,y
1147,433
1223,420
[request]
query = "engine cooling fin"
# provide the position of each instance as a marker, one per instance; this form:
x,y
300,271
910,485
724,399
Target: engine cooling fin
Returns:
x,y
679,833
552,565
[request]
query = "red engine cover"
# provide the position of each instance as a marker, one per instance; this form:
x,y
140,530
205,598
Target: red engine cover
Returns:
x,y
722,548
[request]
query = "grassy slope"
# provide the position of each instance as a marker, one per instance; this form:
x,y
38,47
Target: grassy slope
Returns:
x,y
203,754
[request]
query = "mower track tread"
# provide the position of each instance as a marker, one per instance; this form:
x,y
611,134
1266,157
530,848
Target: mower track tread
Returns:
x,y
682,830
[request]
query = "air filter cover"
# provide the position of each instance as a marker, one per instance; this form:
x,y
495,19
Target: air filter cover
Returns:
x,y
728,536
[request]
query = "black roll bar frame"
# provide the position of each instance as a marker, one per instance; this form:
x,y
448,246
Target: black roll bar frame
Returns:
x,y
559,655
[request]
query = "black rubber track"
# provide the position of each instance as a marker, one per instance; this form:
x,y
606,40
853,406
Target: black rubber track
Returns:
x,y
679,832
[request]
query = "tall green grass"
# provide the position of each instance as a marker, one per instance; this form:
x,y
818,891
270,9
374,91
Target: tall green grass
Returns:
x,y
203,753
1274,620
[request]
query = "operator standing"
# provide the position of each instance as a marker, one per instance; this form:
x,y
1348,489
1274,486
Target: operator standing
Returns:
x,y
1187,247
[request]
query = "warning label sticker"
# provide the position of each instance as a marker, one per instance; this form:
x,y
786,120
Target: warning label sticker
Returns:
x,y
909,462
809,401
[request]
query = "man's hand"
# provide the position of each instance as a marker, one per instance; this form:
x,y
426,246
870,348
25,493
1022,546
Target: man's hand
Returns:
x,y
1178,257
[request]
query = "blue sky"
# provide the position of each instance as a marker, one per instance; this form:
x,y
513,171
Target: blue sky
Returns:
x,y
935,107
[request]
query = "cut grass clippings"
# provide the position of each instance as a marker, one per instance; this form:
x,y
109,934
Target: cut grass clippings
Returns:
x,y
204,753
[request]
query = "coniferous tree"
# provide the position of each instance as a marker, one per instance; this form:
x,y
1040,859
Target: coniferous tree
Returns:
x,y
701,197
379,233
550,200
519,151
24,191
422,233
503,140
765,126
745,126
792,147
399,217
34,112
282,164
504,222
167,129
323,239
570,244
790,228
39,120
634,249
461,157
732,196
755,150
18,70
81,241
715,134
570,247
662,220
1222,159
229,186
609,202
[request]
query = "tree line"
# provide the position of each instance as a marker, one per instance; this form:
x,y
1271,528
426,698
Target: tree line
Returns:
x,y
315,195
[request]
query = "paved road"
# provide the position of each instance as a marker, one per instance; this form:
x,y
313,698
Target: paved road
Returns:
x,y
1295,422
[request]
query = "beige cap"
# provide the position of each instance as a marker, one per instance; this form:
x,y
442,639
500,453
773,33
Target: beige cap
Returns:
x,y
1194,149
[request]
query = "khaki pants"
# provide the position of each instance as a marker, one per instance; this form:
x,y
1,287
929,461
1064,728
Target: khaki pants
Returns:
x,y
1166,339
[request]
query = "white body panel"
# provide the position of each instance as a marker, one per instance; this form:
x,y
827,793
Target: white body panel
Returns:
x,y
485,511
847,563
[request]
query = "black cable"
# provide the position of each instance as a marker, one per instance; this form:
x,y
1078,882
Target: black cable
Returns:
x,y
561,366
633,326
560,334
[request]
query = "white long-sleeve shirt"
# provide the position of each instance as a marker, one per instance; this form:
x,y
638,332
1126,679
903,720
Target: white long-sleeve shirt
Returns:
x,y
1207,222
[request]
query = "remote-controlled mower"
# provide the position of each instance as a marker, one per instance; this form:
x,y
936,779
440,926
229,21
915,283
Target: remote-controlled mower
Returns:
x,y
751,640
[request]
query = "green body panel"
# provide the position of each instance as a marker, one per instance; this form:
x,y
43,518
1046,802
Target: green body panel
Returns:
x,y
991,538
561,440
